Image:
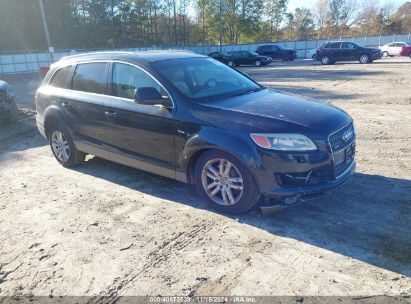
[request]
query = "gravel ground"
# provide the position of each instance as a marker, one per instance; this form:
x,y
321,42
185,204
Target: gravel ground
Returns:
x,y
105,229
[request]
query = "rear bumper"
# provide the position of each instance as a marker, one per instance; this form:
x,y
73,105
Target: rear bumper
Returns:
x,y
40,127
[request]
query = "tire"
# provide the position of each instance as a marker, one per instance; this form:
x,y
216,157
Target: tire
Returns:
x,y
385,54
257,63
325,60
285,58
313,56
364,59
231,63
235,197
63,148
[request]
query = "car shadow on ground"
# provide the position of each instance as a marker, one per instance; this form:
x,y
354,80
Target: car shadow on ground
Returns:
x,y
367,219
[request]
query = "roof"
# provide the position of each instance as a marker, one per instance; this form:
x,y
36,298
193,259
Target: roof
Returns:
x,y
147,56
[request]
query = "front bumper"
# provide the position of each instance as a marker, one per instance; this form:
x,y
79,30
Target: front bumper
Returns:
x,y
306,173
376,56
307,190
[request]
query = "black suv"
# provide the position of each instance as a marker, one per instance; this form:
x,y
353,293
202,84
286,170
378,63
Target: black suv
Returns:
x,y
191,118
238,58
8,107
277,52
330,52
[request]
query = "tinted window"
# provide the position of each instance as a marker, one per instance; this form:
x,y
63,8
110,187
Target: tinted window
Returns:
x,y
127,79
347,45
60,78
335,45
90,77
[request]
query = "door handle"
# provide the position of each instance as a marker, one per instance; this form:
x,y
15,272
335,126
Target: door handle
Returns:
x,y
110,114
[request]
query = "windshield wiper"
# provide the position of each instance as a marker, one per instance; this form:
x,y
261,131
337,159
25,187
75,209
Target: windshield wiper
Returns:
x,y
249,91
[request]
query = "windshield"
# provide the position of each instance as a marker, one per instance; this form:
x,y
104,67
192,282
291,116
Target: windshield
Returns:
x,y
204,79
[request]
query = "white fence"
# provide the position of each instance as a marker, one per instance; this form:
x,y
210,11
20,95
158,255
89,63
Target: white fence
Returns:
x,y
32,62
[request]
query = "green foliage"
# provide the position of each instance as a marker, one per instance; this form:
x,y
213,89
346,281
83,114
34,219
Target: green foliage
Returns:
x,y
94,24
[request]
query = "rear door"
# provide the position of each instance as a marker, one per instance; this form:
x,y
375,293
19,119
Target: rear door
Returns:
x,y
84,104
142,132
336,52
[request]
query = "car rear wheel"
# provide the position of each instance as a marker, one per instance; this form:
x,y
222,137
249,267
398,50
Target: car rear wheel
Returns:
x,y
225,183
325,60
364,58
257,63
385,54
286,58
63,148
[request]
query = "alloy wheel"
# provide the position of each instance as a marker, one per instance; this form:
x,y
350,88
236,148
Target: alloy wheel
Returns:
x,y
60,146
364,59
222,182
257,63
325,60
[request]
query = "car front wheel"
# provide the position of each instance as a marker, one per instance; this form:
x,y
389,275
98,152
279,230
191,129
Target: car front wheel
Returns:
x,y
225,183
364,59
385,54
257,63
63,148
230,63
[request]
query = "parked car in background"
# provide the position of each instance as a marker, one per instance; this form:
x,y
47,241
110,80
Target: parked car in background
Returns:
x,y
217,56
277,52
330,52
191,118
8,107
406,50
392,49
238,58
311,54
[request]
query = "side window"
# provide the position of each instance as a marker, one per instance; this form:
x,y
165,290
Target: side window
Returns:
x,y
335,45
347,45
127,79
60,78
90,77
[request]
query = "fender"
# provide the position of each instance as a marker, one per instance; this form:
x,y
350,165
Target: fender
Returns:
x,y
54,113
211,138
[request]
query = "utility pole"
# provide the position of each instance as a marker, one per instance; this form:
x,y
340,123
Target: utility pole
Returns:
x,y
46,30
221,27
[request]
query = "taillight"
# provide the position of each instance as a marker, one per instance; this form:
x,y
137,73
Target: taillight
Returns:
x,y
36,99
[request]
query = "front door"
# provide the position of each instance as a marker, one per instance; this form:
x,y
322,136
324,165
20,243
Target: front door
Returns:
x,y
142,132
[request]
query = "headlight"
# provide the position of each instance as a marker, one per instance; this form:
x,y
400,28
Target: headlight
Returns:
x,y
283,142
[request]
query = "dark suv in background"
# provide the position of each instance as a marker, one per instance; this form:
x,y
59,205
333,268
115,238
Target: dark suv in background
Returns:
x,y
277,52
330,52
192,118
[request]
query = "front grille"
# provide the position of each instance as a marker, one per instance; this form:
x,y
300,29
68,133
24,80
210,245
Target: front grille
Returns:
x,y
342,145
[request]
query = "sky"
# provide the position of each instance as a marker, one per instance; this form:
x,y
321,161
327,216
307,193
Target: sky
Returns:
x,y
293,4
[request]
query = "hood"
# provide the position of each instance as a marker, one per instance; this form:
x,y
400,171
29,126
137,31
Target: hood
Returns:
x,y
271,111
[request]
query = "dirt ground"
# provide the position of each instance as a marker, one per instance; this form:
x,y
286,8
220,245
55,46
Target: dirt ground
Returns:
x,y
105,229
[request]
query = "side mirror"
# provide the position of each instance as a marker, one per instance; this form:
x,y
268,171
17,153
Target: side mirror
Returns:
x,y
150,96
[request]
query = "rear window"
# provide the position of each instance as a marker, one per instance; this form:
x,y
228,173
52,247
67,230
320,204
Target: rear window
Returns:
x,y
60,78
90,77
